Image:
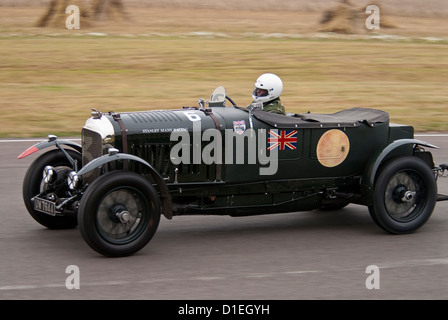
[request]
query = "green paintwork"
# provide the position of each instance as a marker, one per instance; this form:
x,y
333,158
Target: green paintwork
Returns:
x,y
300,182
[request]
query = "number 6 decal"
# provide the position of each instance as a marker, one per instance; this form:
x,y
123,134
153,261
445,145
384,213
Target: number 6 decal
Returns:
x,y
192,116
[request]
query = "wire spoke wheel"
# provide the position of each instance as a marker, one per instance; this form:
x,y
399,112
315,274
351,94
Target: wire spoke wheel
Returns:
x,y
404,195
119,213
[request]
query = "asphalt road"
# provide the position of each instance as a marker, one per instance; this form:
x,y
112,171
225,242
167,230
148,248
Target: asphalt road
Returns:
x,y
305,255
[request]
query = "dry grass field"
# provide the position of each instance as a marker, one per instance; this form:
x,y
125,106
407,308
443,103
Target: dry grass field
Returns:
x,y
168,56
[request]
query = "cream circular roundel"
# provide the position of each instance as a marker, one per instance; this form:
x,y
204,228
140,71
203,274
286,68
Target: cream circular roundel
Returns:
x,y
332,148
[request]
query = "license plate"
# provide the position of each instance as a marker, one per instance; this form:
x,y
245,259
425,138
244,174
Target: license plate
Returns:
x,y
45,206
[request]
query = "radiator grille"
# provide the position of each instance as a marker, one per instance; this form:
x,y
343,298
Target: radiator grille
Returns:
x,y
157,155
92,147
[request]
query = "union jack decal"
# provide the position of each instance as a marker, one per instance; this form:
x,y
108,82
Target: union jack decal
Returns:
x,y
282,140
239,126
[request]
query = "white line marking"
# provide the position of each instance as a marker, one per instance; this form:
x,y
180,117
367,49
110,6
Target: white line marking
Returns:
x,y
414,263
34,140
431,135
396,264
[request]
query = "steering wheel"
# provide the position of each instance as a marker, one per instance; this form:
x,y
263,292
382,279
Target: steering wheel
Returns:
x,y
231,101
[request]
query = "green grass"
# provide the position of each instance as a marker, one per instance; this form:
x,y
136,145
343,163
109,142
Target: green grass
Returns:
x,y
50,83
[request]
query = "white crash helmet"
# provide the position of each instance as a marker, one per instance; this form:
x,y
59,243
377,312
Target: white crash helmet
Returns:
x,y
270,82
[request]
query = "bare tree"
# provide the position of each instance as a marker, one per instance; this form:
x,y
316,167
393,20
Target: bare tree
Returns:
x,y
108,9
349,18
90,10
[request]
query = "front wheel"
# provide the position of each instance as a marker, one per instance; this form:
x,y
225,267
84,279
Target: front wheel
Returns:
x,y
404,195
119,213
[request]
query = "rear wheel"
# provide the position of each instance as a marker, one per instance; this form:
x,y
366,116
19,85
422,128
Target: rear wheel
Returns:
x,y
119,213
404,195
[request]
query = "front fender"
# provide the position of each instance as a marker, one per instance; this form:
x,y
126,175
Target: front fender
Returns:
x,y
111,157
368,178
114,156
52,141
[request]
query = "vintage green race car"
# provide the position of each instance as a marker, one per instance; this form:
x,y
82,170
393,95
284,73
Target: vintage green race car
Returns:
x,y
133,167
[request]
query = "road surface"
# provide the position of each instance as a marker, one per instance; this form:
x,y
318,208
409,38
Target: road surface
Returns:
x,y
305,255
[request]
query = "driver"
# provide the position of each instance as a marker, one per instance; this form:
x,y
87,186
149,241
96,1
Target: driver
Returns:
x,y
268,89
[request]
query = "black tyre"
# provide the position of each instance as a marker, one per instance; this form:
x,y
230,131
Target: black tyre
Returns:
x,y
119,213
405,194
33,184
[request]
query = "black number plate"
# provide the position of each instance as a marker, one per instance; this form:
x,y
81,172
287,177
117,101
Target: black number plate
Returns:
x,y
45,206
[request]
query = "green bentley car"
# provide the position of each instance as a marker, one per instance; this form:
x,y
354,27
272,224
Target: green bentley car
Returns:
x,y
133,167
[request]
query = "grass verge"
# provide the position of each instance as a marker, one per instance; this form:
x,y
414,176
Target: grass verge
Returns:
x,y
49,82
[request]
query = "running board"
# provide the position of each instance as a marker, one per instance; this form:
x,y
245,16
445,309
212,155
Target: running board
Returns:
x,y
441,197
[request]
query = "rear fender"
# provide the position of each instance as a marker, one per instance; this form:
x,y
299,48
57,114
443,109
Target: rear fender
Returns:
x,y
368,178
115,156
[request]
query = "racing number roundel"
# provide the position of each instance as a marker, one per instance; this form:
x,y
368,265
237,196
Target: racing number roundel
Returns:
x,y
332,148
